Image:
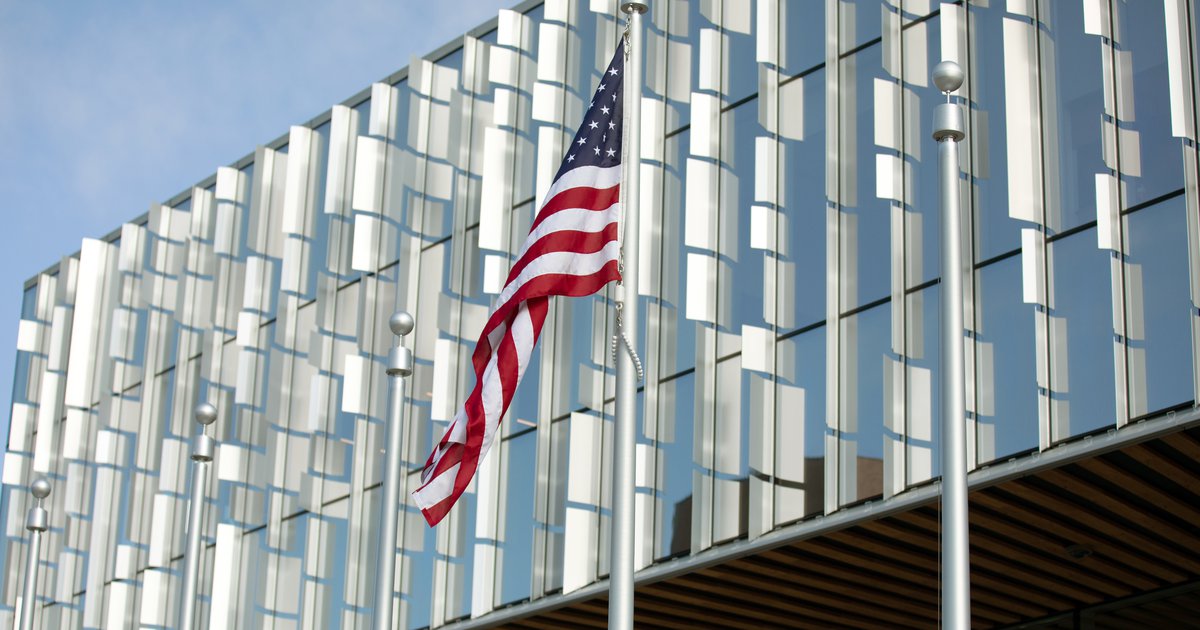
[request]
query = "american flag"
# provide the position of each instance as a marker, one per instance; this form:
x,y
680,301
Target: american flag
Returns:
x,y
571,250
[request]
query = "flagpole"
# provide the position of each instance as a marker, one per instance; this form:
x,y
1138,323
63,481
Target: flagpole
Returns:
x,y
400,365
202,454
620,580
948,130
36,521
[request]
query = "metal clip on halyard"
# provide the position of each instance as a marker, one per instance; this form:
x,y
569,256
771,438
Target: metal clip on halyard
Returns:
x,y
622,336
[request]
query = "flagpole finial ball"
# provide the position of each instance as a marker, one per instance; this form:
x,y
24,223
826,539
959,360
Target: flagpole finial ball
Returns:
x,y
206,414
630,8
40,488
401,323
948,76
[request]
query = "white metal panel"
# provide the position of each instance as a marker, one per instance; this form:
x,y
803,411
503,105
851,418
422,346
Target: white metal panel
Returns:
x,y
381,121
343,148
365,250
1033,267
445,371
552,49
766,169
84,371
355,379
225,592
49,411
1178,70
369,161
758,349
701,287
547,103
1107,212
495,196
700,205
299,193
29,336
706,127
1022,121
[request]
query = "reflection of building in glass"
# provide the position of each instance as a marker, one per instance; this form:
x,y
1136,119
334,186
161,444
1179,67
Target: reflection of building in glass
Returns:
x,y
790,290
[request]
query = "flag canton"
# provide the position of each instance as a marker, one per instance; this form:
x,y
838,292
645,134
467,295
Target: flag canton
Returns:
x,y
598,141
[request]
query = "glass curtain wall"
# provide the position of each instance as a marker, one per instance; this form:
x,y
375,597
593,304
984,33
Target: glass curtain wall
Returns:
x,y
790,291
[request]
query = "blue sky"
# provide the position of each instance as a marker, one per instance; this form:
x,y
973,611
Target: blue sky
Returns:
x,y
107,107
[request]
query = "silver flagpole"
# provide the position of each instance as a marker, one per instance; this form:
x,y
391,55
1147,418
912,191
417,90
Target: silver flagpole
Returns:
x,y
400,365
620,580
202,454
948,130
37,521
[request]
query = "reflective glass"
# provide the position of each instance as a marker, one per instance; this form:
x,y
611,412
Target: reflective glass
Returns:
x,y
680,353
673,514
742,299
800,429
1081,338
864,346
1157,307
1150,157
865,220
731,445
515,553
802,192
1006,388
922,207
987,130
923,385
1072,83
860,22
801,35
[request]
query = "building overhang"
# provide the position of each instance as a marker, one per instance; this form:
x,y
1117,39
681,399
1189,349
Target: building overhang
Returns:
x,y
1084,524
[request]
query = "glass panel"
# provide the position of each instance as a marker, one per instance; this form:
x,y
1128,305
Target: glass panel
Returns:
x,y
800,428
802,191
1150,158
865,218
678,350
922,385
922,207
1081,337
860,22
802,40
742,298
673,515
1073,101
1158,308
1006,389
731,443
987,130
515,551
865,346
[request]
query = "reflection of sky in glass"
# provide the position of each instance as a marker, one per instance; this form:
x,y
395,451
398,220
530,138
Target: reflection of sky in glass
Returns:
x,y
808,350
673,220
921,159
866,344
802,186
1150,159
1073,81
1157,299
995,232
674,519
739,131
924,353
1082,350
865,218
516,550
1006,372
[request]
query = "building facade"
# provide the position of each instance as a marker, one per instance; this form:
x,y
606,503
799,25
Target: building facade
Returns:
x,y
789,292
